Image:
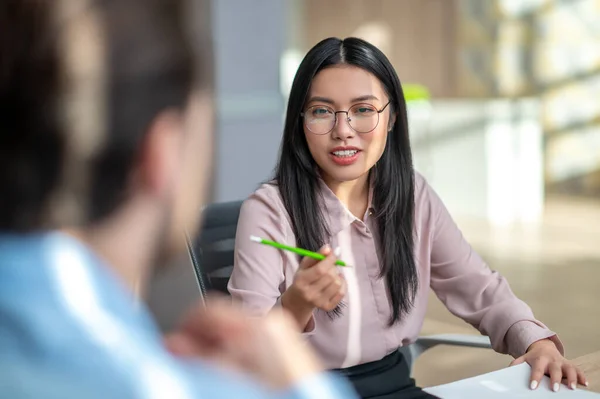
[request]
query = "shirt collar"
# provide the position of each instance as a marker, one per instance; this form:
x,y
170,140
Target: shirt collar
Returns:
x,y
337,215
68,273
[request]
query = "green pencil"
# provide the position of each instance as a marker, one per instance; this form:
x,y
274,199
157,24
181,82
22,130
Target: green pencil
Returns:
x,y
299,251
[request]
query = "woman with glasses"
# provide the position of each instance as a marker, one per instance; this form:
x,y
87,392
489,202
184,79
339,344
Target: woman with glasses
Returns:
x,y
345,185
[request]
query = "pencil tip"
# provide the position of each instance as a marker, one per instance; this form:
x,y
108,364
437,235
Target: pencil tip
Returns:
x,y
255,239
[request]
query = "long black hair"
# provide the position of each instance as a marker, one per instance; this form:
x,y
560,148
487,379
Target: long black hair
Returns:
x,y
392,177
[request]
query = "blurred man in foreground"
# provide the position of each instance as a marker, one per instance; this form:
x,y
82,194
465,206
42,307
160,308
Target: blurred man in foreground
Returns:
x,y
106,125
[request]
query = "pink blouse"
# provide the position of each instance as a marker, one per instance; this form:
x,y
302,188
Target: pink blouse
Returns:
x,y
445,262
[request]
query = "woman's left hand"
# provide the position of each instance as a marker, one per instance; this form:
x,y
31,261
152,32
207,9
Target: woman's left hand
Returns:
x,y
544,358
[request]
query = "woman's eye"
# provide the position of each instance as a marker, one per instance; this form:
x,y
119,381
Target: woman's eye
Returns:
x,y
364,110
320,112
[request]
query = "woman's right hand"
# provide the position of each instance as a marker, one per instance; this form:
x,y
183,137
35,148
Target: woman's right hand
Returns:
x,y
317,284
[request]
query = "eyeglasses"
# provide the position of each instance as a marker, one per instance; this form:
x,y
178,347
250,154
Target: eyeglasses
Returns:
x,y
362,118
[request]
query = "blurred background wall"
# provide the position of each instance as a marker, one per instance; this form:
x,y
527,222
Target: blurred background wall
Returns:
x,y
490,55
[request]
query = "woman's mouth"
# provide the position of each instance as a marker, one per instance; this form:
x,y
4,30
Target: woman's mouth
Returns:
x,y
345,157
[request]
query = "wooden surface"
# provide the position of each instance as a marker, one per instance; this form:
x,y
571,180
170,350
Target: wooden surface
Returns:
x,y
590,364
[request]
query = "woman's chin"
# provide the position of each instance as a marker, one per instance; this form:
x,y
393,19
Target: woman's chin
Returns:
x,y
345,174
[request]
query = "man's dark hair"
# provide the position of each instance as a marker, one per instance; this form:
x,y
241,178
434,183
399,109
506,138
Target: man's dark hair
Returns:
x,y
150,62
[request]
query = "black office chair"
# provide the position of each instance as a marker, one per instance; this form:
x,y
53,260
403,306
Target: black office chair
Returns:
x,y
214,250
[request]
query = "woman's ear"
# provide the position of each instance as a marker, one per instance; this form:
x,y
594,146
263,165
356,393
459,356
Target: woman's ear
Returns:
x,y
392,121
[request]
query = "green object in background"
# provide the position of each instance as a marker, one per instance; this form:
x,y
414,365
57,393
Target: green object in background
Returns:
x,y
415,92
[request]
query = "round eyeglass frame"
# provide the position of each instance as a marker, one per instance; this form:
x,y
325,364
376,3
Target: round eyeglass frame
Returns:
x,y
348,120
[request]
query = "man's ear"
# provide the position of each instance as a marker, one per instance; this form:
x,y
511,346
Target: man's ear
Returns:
x,y
161,153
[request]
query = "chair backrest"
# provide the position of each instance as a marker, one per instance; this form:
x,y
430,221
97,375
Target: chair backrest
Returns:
x,y
215,244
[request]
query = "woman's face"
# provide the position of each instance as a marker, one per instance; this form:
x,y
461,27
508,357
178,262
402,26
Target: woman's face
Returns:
x,y
346,146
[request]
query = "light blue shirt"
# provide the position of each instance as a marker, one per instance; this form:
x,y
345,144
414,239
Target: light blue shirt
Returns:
x,y
69,329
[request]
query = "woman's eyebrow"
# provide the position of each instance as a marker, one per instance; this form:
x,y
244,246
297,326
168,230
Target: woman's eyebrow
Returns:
x,y
326,100
321,99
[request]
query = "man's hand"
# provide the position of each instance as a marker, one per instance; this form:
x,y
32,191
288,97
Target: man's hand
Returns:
x,y
269,347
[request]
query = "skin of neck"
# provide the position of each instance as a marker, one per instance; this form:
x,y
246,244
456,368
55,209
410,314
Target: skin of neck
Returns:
x,y
127,242
354,194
